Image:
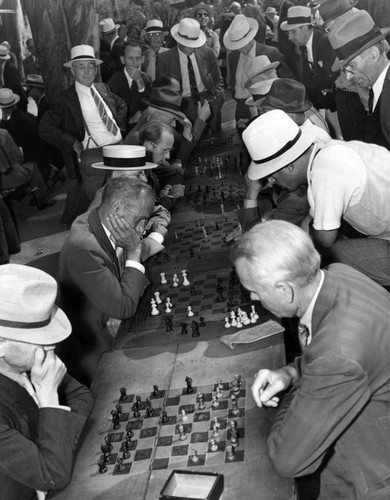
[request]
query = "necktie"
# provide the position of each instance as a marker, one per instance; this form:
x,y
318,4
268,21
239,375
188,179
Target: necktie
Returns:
x,y
193,86
107,120
303,336
29,387
370,102
120,254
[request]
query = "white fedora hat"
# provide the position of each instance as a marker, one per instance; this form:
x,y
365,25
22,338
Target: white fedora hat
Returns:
x,y
260,65
273,141
241,31
123,157
259,90
27,308
4,52
154,26
82,53
188,33
107,26
297,16
8,98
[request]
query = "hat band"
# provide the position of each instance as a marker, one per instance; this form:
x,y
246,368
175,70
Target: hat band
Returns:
x,y
23,325
153,28
298,20
241,38
82,57
285,148
357,43
164,104
123,162
10,103
188,37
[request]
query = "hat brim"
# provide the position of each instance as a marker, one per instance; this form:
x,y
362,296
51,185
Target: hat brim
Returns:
x,y
164,32
259,171
16,100
68,64
273,65
117,26
56,331
148,166
305,107
5,58
338,14
338,64
179,114
193,44
288,27
235,45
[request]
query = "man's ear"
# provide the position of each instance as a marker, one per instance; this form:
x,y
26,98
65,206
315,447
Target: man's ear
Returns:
x,y
148,145
122,60
286,289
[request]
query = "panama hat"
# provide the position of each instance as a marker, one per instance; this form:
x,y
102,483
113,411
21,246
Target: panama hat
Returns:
x,y
154,26
260,65
4,52
82,53
288,95
259,90
271,10
8,98
297,16
202,6
188,33
123,157
273,141
331,9
35,81
353,36
166,100
27,308
107,26
240,32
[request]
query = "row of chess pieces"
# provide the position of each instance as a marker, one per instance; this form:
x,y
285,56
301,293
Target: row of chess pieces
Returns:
x,y
241,318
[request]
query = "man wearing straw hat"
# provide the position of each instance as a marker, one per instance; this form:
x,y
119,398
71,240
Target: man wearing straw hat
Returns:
x,y
109,33
154,37
42,409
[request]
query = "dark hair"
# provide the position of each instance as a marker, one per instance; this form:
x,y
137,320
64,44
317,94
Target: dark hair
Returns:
x,y
152,132
132,43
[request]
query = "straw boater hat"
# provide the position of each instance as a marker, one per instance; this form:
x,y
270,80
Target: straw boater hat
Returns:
x,y
154,26
259,90
82,53
27,307
125,158
8,98
107,26
297,16
166,100
331,9
271,10
188,33
35,81
260,65
353,36
288,95
202,6
240,32
282,142
4,52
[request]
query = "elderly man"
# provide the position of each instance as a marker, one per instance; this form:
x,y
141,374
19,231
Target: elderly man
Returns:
x,y
101,276
347,182
333,421
362,55
42,409
196,67
154,39
82,119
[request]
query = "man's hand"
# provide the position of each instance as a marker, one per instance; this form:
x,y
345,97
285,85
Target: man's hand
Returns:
x,y
177,191
135,74
78,148
204,111
46,375
253,187
112,326
269,383
124,236
159,228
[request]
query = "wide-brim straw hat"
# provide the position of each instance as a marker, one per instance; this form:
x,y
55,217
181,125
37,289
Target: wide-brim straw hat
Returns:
x,y
82,53
260,64
4,52
8,98
354,35
27,307
188,33
259,90
240,32
166,100
125,158
107,26
288,95
297,16
332,9
273,141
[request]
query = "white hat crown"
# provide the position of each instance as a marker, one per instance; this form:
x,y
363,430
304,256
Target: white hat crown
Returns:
x,y
189,28
107,25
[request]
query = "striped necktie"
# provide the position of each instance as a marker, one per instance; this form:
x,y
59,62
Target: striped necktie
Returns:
x,y
193,85
106,119
303,336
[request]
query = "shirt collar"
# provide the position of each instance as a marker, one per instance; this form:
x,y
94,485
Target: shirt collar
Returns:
x,y
309,47
128,77
82,88
378,85
109,236
307,317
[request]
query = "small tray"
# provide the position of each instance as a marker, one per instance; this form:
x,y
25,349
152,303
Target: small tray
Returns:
x,y
184,485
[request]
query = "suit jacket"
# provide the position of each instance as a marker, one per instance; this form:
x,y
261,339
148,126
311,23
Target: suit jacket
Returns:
x,y
168,62
63,124
10,154
93,290
30,66
117,52
149,64
378,125
336,417
37,445
12,81
118,83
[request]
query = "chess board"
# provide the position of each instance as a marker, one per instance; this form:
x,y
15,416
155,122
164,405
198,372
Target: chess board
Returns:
x,y
156,445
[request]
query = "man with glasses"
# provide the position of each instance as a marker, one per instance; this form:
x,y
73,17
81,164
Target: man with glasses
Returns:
x,y
154,37
203,14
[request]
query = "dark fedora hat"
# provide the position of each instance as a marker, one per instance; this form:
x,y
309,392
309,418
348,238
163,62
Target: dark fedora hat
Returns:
x,y
331,9
288,95
35,81
166,100
353,36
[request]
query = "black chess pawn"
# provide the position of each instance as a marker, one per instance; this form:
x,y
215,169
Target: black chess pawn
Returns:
x,y
184,330
123,393
118,408
195,329
164,417
102,466
149,412
156,392
192,290
202,321
136,413
188,381
115,419
126,455
138,402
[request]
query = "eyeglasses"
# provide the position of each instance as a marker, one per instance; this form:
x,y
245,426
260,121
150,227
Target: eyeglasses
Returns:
x,y
202,14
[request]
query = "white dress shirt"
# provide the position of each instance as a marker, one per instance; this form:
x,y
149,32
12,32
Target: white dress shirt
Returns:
x,y
186,89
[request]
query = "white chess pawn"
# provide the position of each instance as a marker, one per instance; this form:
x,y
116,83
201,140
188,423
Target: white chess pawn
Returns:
x,y
253,319
245,319
238,322
239,312
163,279
189,312
175,280
184,416
227,324
167,307
154,311
233,318
185,279
157,296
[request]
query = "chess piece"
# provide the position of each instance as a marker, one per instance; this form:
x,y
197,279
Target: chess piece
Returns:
x,y
235,408
219,384
194,456
158,299
102,467
245,319
218,393
149,412
175,280
156,392
188,381
217,423
227,324
119,410
256,316
164,417
238,322
154,311
195,329
202,321
215,431
233,319
252,316
201,404
168,326
229,452
167,307
184,416
123,393
136,413
213,445
237,377
215,402
182,433
163,279
115,419
189,312
185,279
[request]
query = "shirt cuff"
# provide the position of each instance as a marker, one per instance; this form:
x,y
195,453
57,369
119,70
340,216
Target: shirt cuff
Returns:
x,y
141,89
58,407
156,236
136,265
250,203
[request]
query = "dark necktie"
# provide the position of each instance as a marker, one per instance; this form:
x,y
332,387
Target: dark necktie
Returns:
x,y
193,86
370,102
305,58
303,336
107,120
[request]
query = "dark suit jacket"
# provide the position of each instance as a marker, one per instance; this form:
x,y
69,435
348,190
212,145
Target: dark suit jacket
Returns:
x,y
93,291
134,99
337,415
168,62
63,124
378,125
30,66
12,81
117,52
37,445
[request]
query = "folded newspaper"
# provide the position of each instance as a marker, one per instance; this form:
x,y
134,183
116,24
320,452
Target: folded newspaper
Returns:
x,y
253,334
